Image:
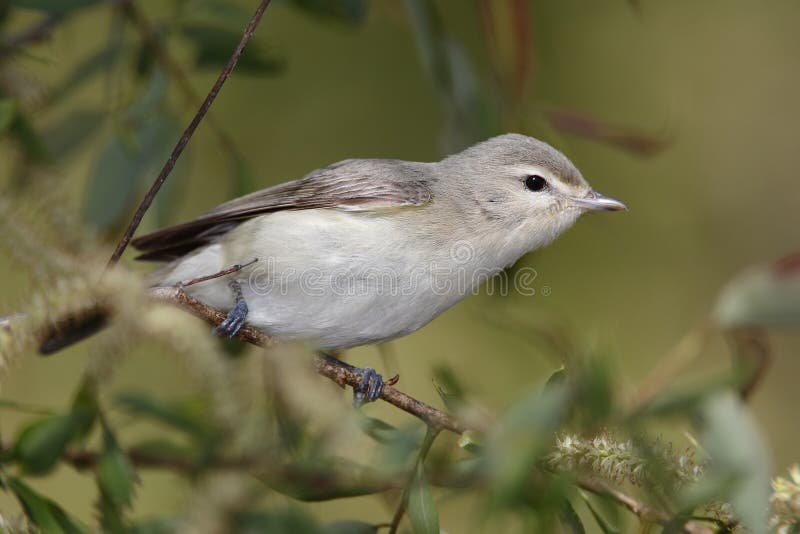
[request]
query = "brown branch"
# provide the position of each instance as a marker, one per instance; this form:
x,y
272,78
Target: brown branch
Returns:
x,y
339,372
187,135
643,511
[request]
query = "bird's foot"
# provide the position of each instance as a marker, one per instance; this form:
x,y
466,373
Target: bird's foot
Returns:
x,y
233,322
370,387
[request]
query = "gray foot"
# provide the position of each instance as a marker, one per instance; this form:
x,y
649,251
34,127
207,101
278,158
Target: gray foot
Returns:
x,y
236,318
370,388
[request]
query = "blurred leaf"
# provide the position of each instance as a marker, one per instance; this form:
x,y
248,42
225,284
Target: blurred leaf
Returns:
x,y
762,296
28,138
469,442
520,437
604,525
48,516
163,448
557,379
380,431
421,507
349,527
448,388
184,417
96,63
25,408
214,47
57,7
739,459
40,445
469,118
244,180
154,526
683,400
121,168
72,132
115,473
291,521
592,128
348,11
570,521
8,109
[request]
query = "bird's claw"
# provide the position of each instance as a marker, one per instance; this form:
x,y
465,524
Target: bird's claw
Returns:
x,y
369,389
233,322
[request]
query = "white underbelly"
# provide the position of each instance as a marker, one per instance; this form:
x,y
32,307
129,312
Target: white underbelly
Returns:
x,y
335,279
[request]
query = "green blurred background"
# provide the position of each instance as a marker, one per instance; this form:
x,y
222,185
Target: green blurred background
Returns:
x,y
716,81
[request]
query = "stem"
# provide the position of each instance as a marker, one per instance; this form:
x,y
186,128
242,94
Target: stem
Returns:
x,y
430,436
187,135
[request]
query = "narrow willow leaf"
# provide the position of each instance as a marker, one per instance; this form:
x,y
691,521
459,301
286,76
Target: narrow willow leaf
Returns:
x,y
40,445
349,527
183,417
42,512
8,109
766,295
215,45
115,473
604,525
347,11
421,506
93,65
56,7
72,132
569,519
738,456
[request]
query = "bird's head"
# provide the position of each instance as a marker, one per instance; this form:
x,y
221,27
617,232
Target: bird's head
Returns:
x,y
522,186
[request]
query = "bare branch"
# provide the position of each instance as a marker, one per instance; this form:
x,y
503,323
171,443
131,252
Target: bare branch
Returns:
x,y
187,135
339,372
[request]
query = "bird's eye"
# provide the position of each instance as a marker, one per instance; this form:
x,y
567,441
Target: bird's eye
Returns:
x,y
535,182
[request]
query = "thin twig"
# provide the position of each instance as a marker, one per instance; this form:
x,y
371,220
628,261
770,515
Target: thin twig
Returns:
x,y
230,270
430,437
643,511
339,372
187,134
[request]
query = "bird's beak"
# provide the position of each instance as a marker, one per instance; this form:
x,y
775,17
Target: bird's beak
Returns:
x,y
596,201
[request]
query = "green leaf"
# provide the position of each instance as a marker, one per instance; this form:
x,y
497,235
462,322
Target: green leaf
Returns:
x,y
380,431
214,47
733,441
72,132
96,63
45,514
116,479
569,519
115,473
520,438
244,180
762,296
604,525
421,507
347,11
448,387
25,408
8,110
188,417
120,169
349,527
291,521
41,444
56,7
557,379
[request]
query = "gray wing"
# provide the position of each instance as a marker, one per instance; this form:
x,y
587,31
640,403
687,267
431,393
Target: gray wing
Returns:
x,y
356,184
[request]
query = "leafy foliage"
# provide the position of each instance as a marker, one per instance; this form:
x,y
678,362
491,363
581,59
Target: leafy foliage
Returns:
x,y
262,424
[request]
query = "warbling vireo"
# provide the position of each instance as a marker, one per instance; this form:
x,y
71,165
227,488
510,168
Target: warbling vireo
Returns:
x,y
368,250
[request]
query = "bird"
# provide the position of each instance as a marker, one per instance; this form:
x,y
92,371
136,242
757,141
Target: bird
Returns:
x,y
364,251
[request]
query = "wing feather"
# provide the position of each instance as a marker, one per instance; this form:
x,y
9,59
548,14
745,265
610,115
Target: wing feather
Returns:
x,y
362,185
